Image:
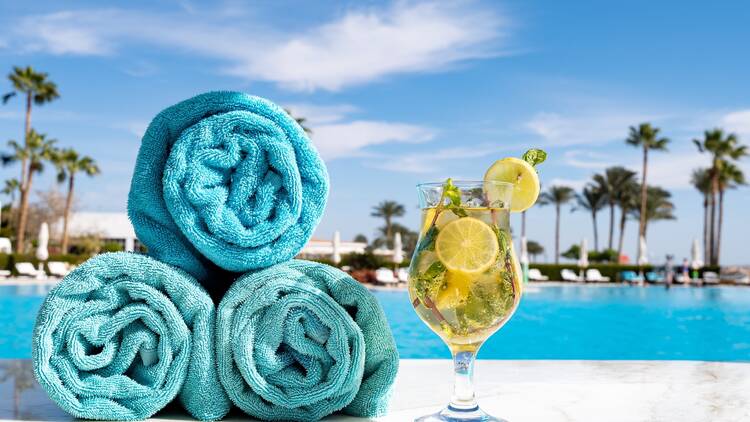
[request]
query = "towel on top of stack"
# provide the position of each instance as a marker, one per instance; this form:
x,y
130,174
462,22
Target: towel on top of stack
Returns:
x,y
226,178
301,340
123,335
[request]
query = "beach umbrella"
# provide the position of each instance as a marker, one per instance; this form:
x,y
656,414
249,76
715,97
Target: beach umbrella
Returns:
x,y
336,248
643,257
524,259
583,257
695,251
398,249
41,249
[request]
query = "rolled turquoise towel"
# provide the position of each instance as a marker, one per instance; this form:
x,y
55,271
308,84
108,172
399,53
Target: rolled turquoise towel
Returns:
x,y
228,178
301,340
122,335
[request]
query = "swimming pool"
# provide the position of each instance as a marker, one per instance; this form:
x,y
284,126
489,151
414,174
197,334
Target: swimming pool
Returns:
x,y
553,322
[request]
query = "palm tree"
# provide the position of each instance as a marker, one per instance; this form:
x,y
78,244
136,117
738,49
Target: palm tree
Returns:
x,y
592,199
37,150
610,184
10,188
730,177
557,196
658,207
646,137
722,148
627,200
534,248
68,163
701,180
301,121
388,210
38,90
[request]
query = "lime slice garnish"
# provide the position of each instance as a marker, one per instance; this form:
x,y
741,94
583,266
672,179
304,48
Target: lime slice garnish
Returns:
x,y
468,245
522,175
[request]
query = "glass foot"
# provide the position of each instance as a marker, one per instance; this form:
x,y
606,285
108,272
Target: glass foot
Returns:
x,y
452,414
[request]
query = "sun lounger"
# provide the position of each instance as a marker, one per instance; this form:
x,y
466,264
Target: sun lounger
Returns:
x,y
27,269
654,277
4,273
385,276
569,275
631,277
593,274
736,277
536,275
710,277
403,275
58,268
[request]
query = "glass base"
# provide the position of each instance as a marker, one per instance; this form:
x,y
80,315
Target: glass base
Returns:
x,y
452,414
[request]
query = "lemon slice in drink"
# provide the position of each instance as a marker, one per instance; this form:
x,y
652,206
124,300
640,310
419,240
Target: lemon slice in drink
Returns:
x,y
468,245
522,175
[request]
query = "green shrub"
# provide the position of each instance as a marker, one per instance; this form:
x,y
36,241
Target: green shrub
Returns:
x,y
362,261
112,247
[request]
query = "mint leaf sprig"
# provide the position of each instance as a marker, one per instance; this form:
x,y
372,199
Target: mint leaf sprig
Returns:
x,y
534,156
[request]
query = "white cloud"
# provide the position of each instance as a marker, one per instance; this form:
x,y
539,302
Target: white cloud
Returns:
x,y
738,122
10,115
361,46
587,159
576,184
672,170
346,139
337,135
140,69
134,127
421,162
321,114
586,128
366,45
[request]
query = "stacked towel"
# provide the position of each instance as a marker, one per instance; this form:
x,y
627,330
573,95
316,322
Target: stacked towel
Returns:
x,y
224,183
301,340
122,335
229,179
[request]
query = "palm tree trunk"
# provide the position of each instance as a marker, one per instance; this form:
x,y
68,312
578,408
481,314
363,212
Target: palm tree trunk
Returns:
x,y
705,229
23,214
388,233
557,234
66,215
523,224
644,199
623,220
596,234
611,223
717,257
712,234
26,131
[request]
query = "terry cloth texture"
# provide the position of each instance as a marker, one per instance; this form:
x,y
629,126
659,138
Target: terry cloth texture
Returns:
x,y
226,178
122,335
301,340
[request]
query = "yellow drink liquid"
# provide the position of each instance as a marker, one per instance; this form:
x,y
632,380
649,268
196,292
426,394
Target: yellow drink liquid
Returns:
x,y
465,307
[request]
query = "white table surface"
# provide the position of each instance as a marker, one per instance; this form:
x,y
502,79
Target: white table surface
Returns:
x,y
526,391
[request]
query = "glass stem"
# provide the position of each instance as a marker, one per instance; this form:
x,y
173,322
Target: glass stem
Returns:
x,y
463,388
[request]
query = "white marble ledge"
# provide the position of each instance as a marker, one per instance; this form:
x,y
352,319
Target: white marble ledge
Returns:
x,y
537,391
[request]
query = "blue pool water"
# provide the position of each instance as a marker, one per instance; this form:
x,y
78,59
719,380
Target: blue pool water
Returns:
x,y
553,322
601,322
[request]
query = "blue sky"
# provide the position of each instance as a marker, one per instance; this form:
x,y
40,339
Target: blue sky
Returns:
x,y
403,92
